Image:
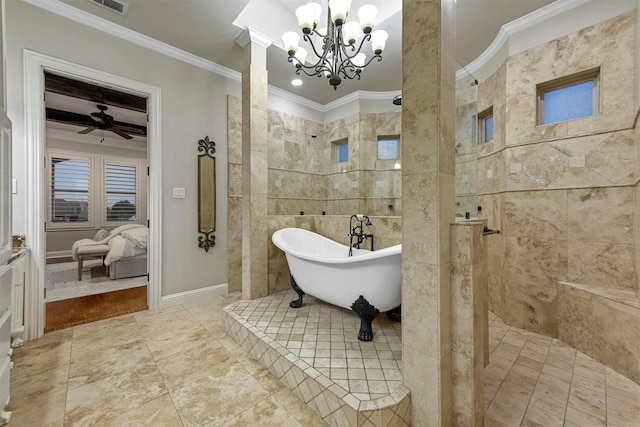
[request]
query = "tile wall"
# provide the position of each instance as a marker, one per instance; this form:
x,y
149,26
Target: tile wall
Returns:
x,y
563,194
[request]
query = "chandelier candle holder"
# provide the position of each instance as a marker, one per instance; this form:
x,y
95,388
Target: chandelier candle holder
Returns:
x,y
339,54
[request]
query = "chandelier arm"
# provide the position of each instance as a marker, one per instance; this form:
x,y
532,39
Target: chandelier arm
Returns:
x,y
366,38
318,68
307,38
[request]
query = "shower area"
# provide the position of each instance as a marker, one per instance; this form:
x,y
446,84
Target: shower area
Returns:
x,y
354,165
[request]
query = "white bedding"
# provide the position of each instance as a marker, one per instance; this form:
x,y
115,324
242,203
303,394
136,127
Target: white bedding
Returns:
x,y
127,244
124,241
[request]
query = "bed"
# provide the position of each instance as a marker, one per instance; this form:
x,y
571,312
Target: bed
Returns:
x,y
124,247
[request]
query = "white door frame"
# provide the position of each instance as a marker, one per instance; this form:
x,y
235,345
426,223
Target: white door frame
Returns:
x,y
35,64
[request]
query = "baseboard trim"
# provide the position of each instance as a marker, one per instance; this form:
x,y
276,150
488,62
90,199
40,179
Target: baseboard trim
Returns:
x,y
194,295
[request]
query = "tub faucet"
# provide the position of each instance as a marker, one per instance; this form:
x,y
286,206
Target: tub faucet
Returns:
x,y
356,232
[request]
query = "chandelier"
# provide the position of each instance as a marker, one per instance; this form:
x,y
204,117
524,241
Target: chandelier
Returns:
x,y
336,47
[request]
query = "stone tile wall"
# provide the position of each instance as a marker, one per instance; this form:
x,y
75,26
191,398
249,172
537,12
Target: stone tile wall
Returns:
x,y
562,194
304,176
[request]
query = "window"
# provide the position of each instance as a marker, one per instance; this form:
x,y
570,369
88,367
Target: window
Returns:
x,y
94,190
120,192
389,147
569,97
341,150
486,125
70,189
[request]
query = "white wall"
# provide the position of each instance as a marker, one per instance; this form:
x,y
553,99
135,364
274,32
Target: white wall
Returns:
x,y
193,105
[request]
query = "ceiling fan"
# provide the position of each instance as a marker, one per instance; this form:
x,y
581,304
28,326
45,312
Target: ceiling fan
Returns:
x,y
96,120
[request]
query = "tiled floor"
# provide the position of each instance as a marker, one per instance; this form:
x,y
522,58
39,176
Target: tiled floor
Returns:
x,y
315,351
176,367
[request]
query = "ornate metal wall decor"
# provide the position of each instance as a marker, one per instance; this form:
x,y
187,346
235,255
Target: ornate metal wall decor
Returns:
x,y
206,193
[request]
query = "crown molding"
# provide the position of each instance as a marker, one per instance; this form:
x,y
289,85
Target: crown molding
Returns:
x,y
251,35
499,50
93,21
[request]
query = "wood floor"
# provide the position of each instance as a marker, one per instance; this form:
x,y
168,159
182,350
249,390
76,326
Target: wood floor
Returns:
x,y
76,311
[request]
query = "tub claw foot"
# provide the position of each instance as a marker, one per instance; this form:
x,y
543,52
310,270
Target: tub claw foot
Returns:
x,y
296,303
395,314
366,312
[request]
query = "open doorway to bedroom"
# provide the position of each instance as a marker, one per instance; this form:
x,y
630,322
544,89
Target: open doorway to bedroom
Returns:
x,y
96,193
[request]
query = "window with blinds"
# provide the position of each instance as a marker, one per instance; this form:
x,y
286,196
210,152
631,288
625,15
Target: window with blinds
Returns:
x,y
70,196
120,192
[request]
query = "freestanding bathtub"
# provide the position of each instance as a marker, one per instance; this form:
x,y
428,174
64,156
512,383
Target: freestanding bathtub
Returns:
x,y
367,282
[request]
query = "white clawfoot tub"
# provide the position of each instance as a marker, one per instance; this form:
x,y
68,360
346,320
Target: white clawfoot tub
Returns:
x,y
369,282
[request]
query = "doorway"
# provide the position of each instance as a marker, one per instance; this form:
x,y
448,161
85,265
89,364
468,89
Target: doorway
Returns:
x,y
36,67
96,201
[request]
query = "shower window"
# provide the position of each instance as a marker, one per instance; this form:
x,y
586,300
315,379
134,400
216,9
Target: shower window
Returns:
x,y
389,147
341,150
569,97
486,125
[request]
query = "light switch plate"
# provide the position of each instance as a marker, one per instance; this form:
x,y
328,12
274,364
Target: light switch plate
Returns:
x,y
179,193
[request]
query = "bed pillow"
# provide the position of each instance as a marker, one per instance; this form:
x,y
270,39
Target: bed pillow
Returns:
x,y
101,234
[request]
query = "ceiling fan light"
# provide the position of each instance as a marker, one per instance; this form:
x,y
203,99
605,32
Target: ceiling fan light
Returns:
x,y
290,40
305,15
378,41
350,32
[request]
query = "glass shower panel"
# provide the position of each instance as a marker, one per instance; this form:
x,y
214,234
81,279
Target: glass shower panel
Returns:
x,y
296,165
466,186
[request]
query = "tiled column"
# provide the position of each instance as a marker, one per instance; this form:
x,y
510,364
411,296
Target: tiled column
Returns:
x,y
428,200
469,322
254,166
636,192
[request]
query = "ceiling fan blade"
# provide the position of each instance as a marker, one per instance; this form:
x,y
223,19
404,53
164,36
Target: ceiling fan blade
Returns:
x,y
130,128
121,133
87,130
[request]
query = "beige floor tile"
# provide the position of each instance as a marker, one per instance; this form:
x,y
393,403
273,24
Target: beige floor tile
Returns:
x,y
206,357
621,414
267,413
503,415
94,365
299,410
34,357
159,412
588,401
94,402
580,418
540,417
218,398
38,400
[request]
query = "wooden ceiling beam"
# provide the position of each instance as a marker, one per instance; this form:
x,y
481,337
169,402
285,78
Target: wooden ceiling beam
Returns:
x,y
90,92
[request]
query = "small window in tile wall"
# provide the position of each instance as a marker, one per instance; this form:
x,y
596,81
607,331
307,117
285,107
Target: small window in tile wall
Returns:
x,y
388,147
341,150
569,97
485,124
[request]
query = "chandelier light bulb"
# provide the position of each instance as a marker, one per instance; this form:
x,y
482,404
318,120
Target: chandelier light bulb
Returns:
x,y
350,32
339,10
378,40
359,60
290,40
317,11
336,50
301,56
305,15
367,15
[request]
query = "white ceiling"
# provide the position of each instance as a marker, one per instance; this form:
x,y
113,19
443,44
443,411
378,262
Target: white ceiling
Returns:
x,y
206,28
